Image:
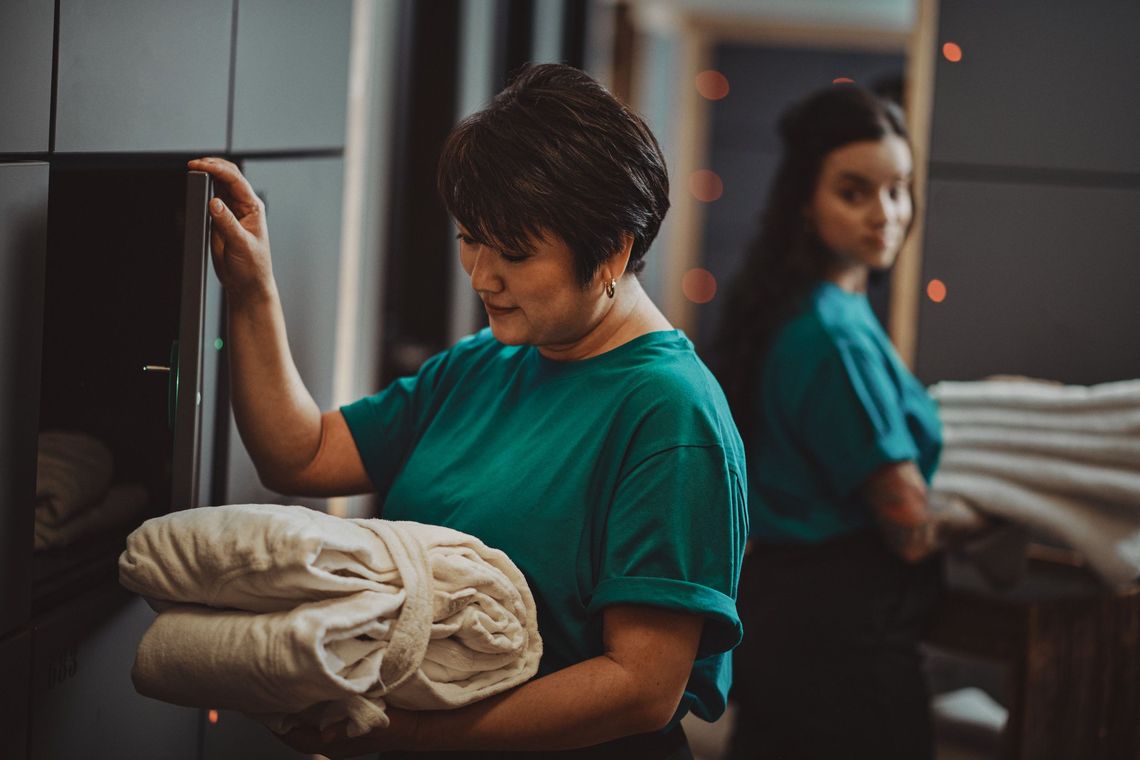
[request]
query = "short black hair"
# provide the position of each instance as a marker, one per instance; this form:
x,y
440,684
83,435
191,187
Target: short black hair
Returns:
x,y
556,152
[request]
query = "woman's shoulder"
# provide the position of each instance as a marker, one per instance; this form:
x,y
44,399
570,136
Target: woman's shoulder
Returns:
x,y
830,322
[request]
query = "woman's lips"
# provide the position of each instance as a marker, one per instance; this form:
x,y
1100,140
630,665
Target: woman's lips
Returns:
x,y
498,311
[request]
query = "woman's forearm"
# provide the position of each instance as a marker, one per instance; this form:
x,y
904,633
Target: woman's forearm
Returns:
x,y
279,422
589,703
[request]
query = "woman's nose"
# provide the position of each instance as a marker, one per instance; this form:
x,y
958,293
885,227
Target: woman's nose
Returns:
x,y
481,271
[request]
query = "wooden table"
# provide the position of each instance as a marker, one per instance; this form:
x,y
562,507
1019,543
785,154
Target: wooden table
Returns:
x,y
1072,648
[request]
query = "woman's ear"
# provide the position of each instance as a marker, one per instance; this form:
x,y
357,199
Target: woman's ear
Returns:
x,y
620,260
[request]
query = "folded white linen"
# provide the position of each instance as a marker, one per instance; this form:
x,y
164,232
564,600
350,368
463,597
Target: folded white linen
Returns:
x,y
1118,451
1086,482
466,627
275,663
121,506
1007,394
256,557
72,471
1100,422
1107,536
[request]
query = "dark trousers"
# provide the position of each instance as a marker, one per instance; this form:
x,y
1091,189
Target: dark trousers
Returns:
x,y
830,666
670,745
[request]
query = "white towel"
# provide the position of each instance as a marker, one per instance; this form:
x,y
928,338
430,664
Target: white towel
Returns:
x,y
1107,536
1117,451
1100,422
121,506
72,471
256,557
466,627
1085,482
1011,394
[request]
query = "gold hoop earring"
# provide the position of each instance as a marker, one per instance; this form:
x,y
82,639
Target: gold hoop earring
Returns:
x,y
611,287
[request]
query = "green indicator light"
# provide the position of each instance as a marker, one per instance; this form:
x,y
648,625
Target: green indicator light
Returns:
x,y
218,343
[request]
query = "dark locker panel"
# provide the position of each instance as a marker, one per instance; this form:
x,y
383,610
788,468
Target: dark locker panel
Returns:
x,y
1041,281
83,703
290,74
303,207
1042,84
16,676
143,75
23,242
122,378
26,31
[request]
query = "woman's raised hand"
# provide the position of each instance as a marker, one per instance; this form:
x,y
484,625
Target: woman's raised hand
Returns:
x,y
239,236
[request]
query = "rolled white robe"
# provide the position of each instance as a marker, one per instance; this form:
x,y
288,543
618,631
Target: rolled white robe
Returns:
x,y
466,627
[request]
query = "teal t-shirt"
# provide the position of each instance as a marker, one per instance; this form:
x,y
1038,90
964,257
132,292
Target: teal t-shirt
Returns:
x,y
835,404
615,479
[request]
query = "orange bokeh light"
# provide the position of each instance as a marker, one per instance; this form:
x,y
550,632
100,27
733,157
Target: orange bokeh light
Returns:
x,y
712,84
699,285
706,185
936,291
843,80
952,52
212,716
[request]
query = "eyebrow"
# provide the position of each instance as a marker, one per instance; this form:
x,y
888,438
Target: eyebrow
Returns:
x,y
862,180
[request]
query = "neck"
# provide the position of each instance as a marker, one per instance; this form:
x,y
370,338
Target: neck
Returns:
x,y
630,315
851,278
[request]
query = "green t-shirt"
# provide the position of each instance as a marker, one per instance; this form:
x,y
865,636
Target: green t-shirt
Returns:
x,y
835,404
615,479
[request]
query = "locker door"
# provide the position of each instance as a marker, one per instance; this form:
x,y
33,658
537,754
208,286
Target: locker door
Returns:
x,y
83,703
23,246
26,28
15,674
143,75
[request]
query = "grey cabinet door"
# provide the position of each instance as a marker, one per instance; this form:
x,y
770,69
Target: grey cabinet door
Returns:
x,y
143,75
290,74
1041,281
303,206
83,704
26,30
1042,84
23,248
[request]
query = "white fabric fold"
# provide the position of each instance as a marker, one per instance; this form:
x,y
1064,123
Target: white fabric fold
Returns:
x,y
417,616
1108,537
1105,422
1092,483
1118,451
1011,394
72,471
121,506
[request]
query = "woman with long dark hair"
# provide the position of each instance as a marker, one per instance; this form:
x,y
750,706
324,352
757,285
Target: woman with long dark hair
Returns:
x,y
841,442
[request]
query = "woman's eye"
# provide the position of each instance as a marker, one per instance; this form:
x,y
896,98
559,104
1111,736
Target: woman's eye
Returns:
x,y
850,195
512,258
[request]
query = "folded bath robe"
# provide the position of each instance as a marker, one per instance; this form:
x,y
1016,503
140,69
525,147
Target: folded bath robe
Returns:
x,y
73,470
322,619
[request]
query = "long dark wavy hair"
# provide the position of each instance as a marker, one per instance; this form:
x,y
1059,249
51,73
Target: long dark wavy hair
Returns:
x,y
787,259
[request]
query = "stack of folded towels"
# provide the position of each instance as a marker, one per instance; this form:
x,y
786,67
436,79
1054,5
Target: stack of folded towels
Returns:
x,y
1062,461
296,617
74,495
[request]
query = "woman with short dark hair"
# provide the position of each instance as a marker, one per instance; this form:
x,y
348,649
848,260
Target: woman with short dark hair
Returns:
x,y
841,441
579,433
